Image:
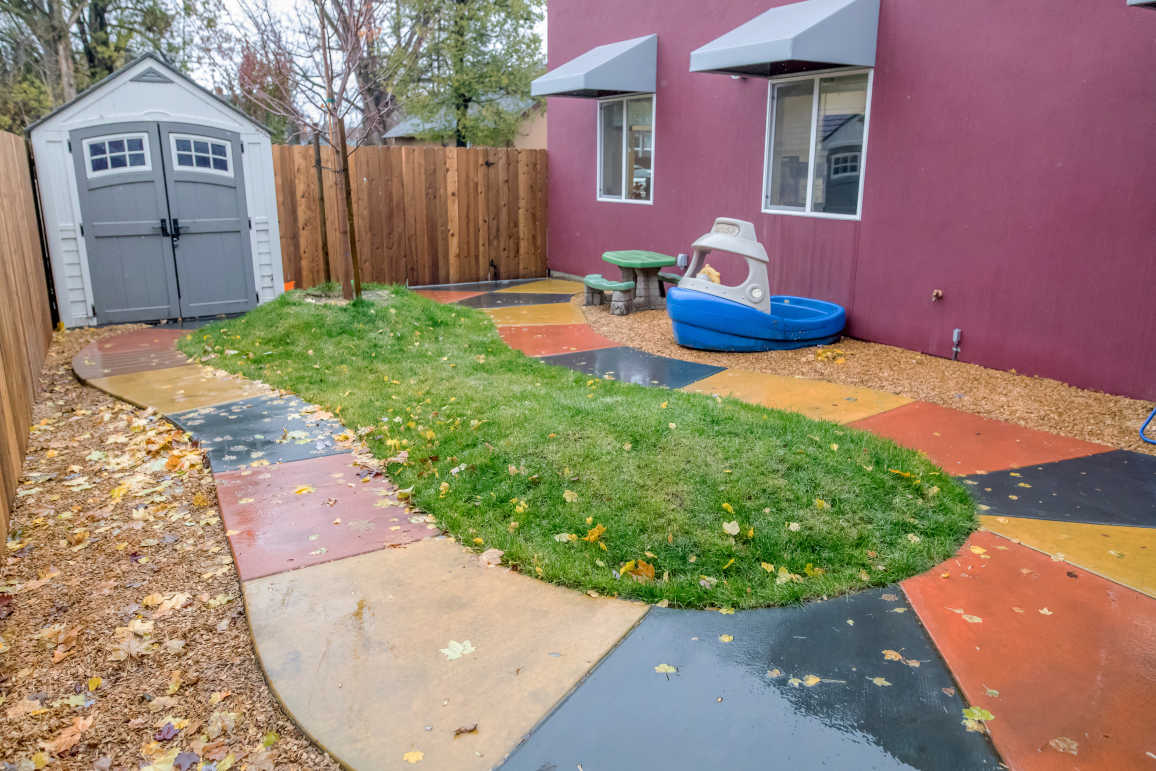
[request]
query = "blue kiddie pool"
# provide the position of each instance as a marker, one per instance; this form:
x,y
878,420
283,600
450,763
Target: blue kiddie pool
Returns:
x,y
712,316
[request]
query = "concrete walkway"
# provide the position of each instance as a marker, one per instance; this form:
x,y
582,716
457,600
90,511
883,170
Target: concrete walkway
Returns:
x,y
391,645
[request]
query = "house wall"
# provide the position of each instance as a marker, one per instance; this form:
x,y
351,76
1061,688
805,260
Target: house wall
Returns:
x,y
122,100
1010,163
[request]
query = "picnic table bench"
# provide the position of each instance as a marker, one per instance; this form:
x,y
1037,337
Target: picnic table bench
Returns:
x,y
639,269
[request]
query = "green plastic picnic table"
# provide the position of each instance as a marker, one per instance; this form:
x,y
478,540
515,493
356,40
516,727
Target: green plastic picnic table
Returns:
x,y
638,258
641,267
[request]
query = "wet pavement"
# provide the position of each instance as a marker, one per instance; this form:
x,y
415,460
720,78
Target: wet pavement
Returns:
x,y
383,638
809,686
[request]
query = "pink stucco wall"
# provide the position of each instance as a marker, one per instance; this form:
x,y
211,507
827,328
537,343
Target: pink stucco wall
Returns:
x,y
1011,163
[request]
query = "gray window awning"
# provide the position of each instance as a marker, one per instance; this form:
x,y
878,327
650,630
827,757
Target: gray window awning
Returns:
x,y
811,35
615,68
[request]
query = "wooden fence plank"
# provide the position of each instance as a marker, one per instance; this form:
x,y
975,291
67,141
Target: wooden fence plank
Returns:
x,y
423,214
25,319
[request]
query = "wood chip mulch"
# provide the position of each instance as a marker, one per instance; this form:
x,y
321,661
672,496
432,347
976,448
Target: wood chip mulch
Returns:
x,y
122,629
1034,402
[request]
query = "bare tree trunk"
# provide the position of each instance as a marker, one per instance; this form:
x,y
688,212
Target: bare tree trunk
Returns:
x,y
328,272
343,151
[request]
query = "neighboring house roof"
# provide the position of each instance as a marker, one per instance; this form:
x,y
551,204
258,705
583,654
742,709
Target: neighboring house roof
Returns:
x,y
412,127
169,70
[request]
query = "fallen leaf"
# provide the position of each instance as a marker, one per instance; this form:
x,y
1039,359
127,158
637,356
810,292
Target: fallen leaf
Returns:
x,y
1045,612
725,638
69,737
413,756
665,669
491,558
891,655
469,729
731,528
972,619
1065,745
879,681
306,489
455,649
811,680
570,496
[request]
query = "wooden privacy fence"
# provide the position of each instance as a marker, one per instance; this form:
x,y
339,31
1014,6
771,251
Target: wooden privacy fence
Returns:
x,y
424,215
25,319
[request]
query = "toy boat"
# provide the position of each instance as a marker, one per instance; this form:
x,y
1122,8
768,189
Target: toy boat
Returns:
x,y
716,317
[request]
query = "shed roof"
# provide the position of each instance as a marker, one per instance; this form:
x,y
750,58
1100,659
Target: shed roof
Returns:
x,y
150,75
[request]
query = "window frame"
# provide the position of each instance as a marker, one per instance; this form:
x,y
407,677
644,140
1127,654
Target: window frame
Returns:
x,y
769,137
126,169
624,98
173,137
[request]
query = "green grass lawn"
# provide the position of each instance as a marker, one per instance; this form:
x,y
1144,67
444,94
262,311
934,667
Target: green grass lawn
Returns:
x,y
621,489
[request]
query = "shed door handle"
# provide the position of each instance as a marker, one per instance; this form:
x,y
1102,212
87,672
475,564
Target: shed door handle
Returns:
x,y
176,228
164,227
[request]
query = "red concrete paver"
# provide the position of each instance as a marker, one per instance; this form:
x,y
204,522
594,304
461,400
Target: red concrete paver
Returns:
x,y
547,339
963,443
91,362
272,527
446,295
151,339
1071,655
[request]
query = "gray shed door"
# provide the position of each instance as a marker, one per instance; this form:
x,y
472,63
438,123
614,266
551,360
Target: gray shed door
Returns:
x,y
121,180
166,226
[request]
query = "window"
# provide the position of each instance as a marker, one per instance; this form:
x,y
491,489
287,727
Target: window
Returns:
x,y
816,140
116,154
626,149
202,154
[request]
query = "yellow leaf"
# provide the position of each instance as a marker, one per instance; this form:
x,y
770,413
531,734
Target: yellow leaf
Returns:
x,y
1045,612
891,655
94,683
811,680
594,533
725,638
767,566
413,756
972,619
727,611
665,669
821,504
978,550
570,496
731,528
730,562
880,681
728,508
304,489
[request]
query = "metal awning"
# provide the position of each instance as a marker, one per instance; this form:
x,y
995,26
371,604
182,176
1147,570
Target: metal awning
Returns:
x,y
1143,3
811,35
625,67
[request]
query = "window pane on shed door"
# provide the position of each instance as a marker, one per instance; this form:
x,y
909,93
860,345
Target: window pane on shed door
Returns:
x,y
639,147
839,144
791,145
610,115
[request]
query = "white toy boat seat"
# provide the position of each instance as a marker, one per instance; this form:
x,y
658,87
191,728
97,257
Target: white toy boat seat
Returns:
x,y
736,237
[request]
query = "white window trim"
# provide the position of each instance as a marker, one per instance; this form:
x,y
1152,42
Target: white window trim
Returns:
x,y
197,170
625,134
144,137
770,136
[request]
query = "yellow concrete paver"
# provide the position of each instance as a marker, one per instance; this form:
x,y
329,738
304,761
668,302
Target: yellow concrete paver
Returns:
x,y
553,313
176,389
354,650
816,399
546,286
1126,555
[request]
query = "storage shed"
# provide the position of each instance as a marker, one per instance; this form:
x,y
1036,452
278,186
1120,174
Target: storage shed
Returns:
x,y
158,200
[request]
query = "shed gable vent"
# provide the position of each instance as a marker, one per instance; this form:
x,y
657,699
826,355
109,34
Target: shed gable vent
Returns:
x,y
151,75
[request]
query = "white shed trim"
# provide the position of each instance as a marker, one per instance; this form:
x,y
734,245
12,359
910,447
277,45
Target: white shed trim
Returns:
x,y
148,89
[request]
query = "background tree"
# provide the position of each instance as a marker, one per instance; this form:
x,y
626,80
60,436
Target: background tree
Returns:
x,y
51,49
477,71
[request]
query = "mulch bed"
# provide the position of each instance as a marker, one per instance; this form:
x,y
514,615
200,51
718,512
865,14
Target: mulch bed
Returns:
x,y
124,636
1035,402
